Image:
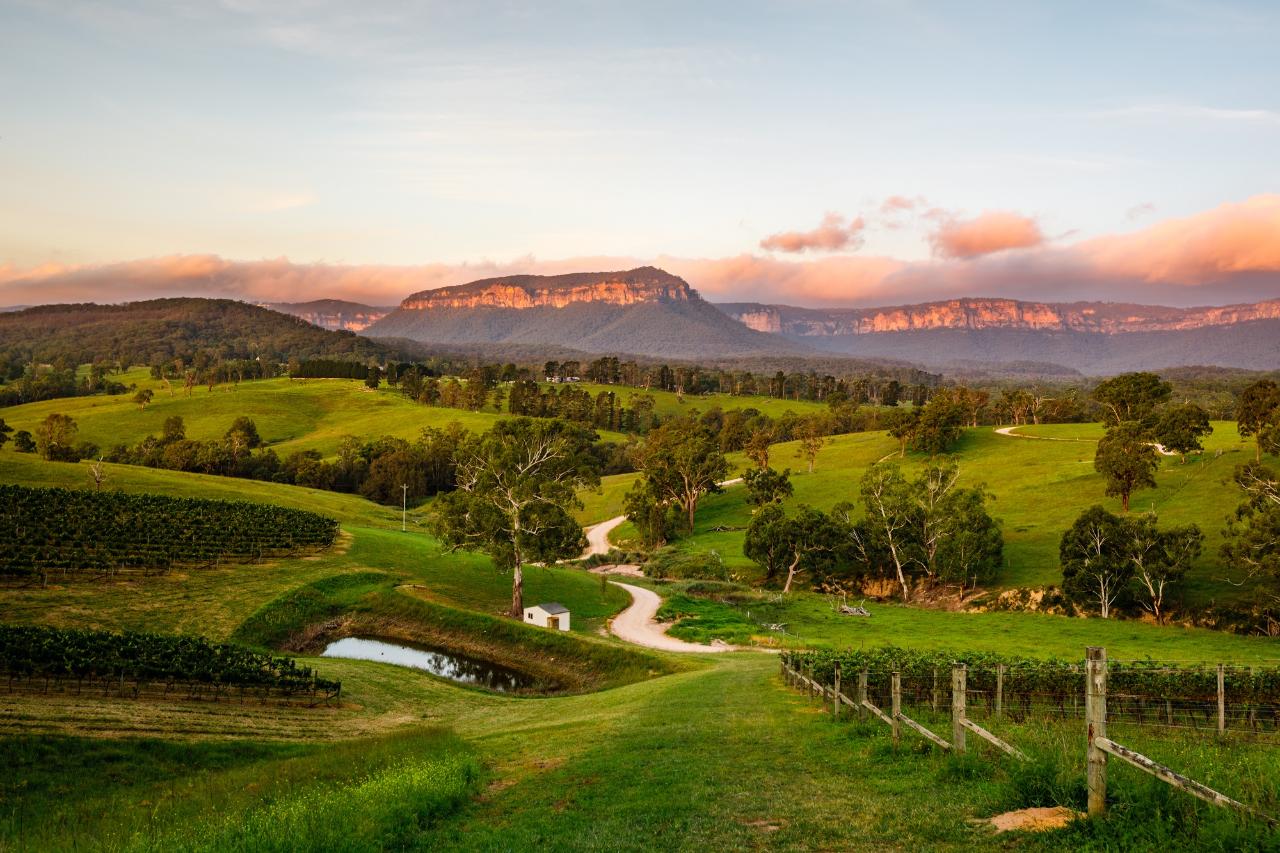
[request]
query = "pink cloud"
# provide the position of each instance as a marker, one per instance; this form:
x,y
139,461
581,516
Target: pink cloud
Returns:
x,y
1230,239
901,204
830,236
994,231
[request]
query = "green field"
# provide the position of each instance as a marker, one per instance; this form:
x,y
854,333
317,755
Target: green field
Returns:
x,y
636,749
1039,488
291,414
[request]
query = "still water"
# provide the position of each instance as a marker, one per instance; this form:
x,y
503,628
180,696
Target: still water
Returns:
x,y
454,667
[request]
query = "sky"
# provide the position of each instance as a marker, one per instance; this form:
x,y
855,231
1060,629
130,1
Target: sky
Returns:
x,y
797,151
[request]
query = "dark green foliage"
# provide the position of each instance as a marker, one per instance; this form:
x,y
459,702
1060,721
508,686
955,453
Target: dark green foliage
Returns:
x,y
938,427
1253,531
1258,414
67,531
40,652
23,442
1131,397
158,331
1096,567
328,368
810,541
515,484
39,382
924,529
681,461
902,424
1127,460
1180,428
766,486
673,564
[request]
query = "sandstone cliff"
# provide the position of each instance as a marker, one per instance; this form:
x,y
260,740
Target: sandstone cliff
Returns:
x,y
633,287
976,313
644,311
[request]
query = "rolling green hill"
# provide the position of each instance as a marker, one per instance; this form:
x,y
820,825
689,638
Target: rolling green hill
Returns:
x,y
158,330
639,750
1039,488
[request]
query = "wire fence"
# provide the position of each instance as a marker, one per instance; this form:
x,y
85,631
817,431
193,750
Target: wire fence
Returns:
x,y
914,698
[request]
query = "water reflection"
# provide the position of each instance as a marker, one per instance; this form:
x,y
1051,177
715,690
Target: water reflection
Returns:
x,y
454,667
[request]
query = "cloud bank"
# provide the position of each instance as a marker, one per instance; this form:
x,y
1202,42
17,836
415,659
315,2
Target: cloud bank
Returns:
x,y
1230,253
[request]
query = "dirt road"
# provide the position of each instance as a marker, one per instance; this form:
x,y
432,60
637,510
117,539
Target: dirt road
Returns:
x,y
636,624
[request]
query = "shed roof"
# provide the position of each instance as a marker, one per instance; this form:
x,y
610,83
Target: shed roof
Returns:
x,y
553,607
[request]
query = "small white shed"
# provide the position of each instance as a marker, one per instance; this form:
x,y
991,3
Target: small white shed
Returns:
x,y
551,614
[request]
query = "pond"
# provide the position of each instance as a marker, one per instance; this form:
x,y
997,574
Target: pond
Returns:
x,y
455,667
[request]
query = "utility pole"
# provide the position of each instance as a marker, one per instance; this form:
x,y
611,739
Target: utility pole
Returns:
x,y
404,506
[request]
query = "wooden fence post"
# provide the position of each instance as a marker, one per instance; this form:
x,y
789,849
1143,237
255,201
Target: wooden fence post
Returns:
x,y
896,706
835,695
1222,701
959,687
935,690
862,695
999,690
1095,712
811,682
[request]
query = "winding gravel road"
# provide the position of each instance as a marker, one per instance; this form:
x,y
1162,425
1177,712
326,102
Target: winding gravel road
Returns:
x,y
636,624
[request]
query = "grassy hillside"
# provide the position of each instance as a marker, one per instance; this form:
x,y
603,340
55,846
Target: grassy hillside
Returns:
x,y
311,414
638,750
1040,486
291,414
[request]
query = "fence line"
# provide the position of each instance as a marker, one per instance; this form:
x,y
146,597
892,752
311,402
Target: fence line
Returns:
x,y
1098,745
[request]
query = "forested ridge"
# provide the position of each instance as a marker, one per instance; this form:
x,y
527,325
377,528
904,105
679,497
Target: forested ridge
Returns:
x,y
160,330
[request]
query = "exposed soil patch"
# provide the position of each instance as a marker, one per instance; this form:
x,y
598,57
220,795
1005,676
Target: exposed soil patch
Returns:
x,y
1035,819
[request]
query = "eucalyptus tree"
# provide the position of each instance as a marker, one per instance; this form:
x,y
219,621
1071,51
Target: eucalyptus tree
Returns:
x,y
515,486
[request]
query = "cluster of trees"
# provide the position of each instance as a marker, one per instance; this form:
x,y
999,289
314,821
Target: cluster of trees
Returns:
x,y
1253,531
935,427
55,439
378,469
34,383
1110,561
1141,423
919,532
885,388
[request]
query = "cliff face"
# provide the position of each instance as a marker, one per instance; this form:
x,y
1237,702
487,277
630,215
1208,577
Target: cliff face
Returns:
x,y
975,314
643,312
633,287
334,314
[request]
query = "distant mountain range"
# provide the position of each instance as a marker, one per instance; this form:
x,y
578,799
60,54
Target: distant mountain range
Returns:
x,y
649,313
1092,337
332,314
645,311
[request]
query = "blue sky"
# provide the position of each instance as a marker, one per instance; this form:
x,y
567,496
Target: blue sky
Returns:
x,y
404,134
